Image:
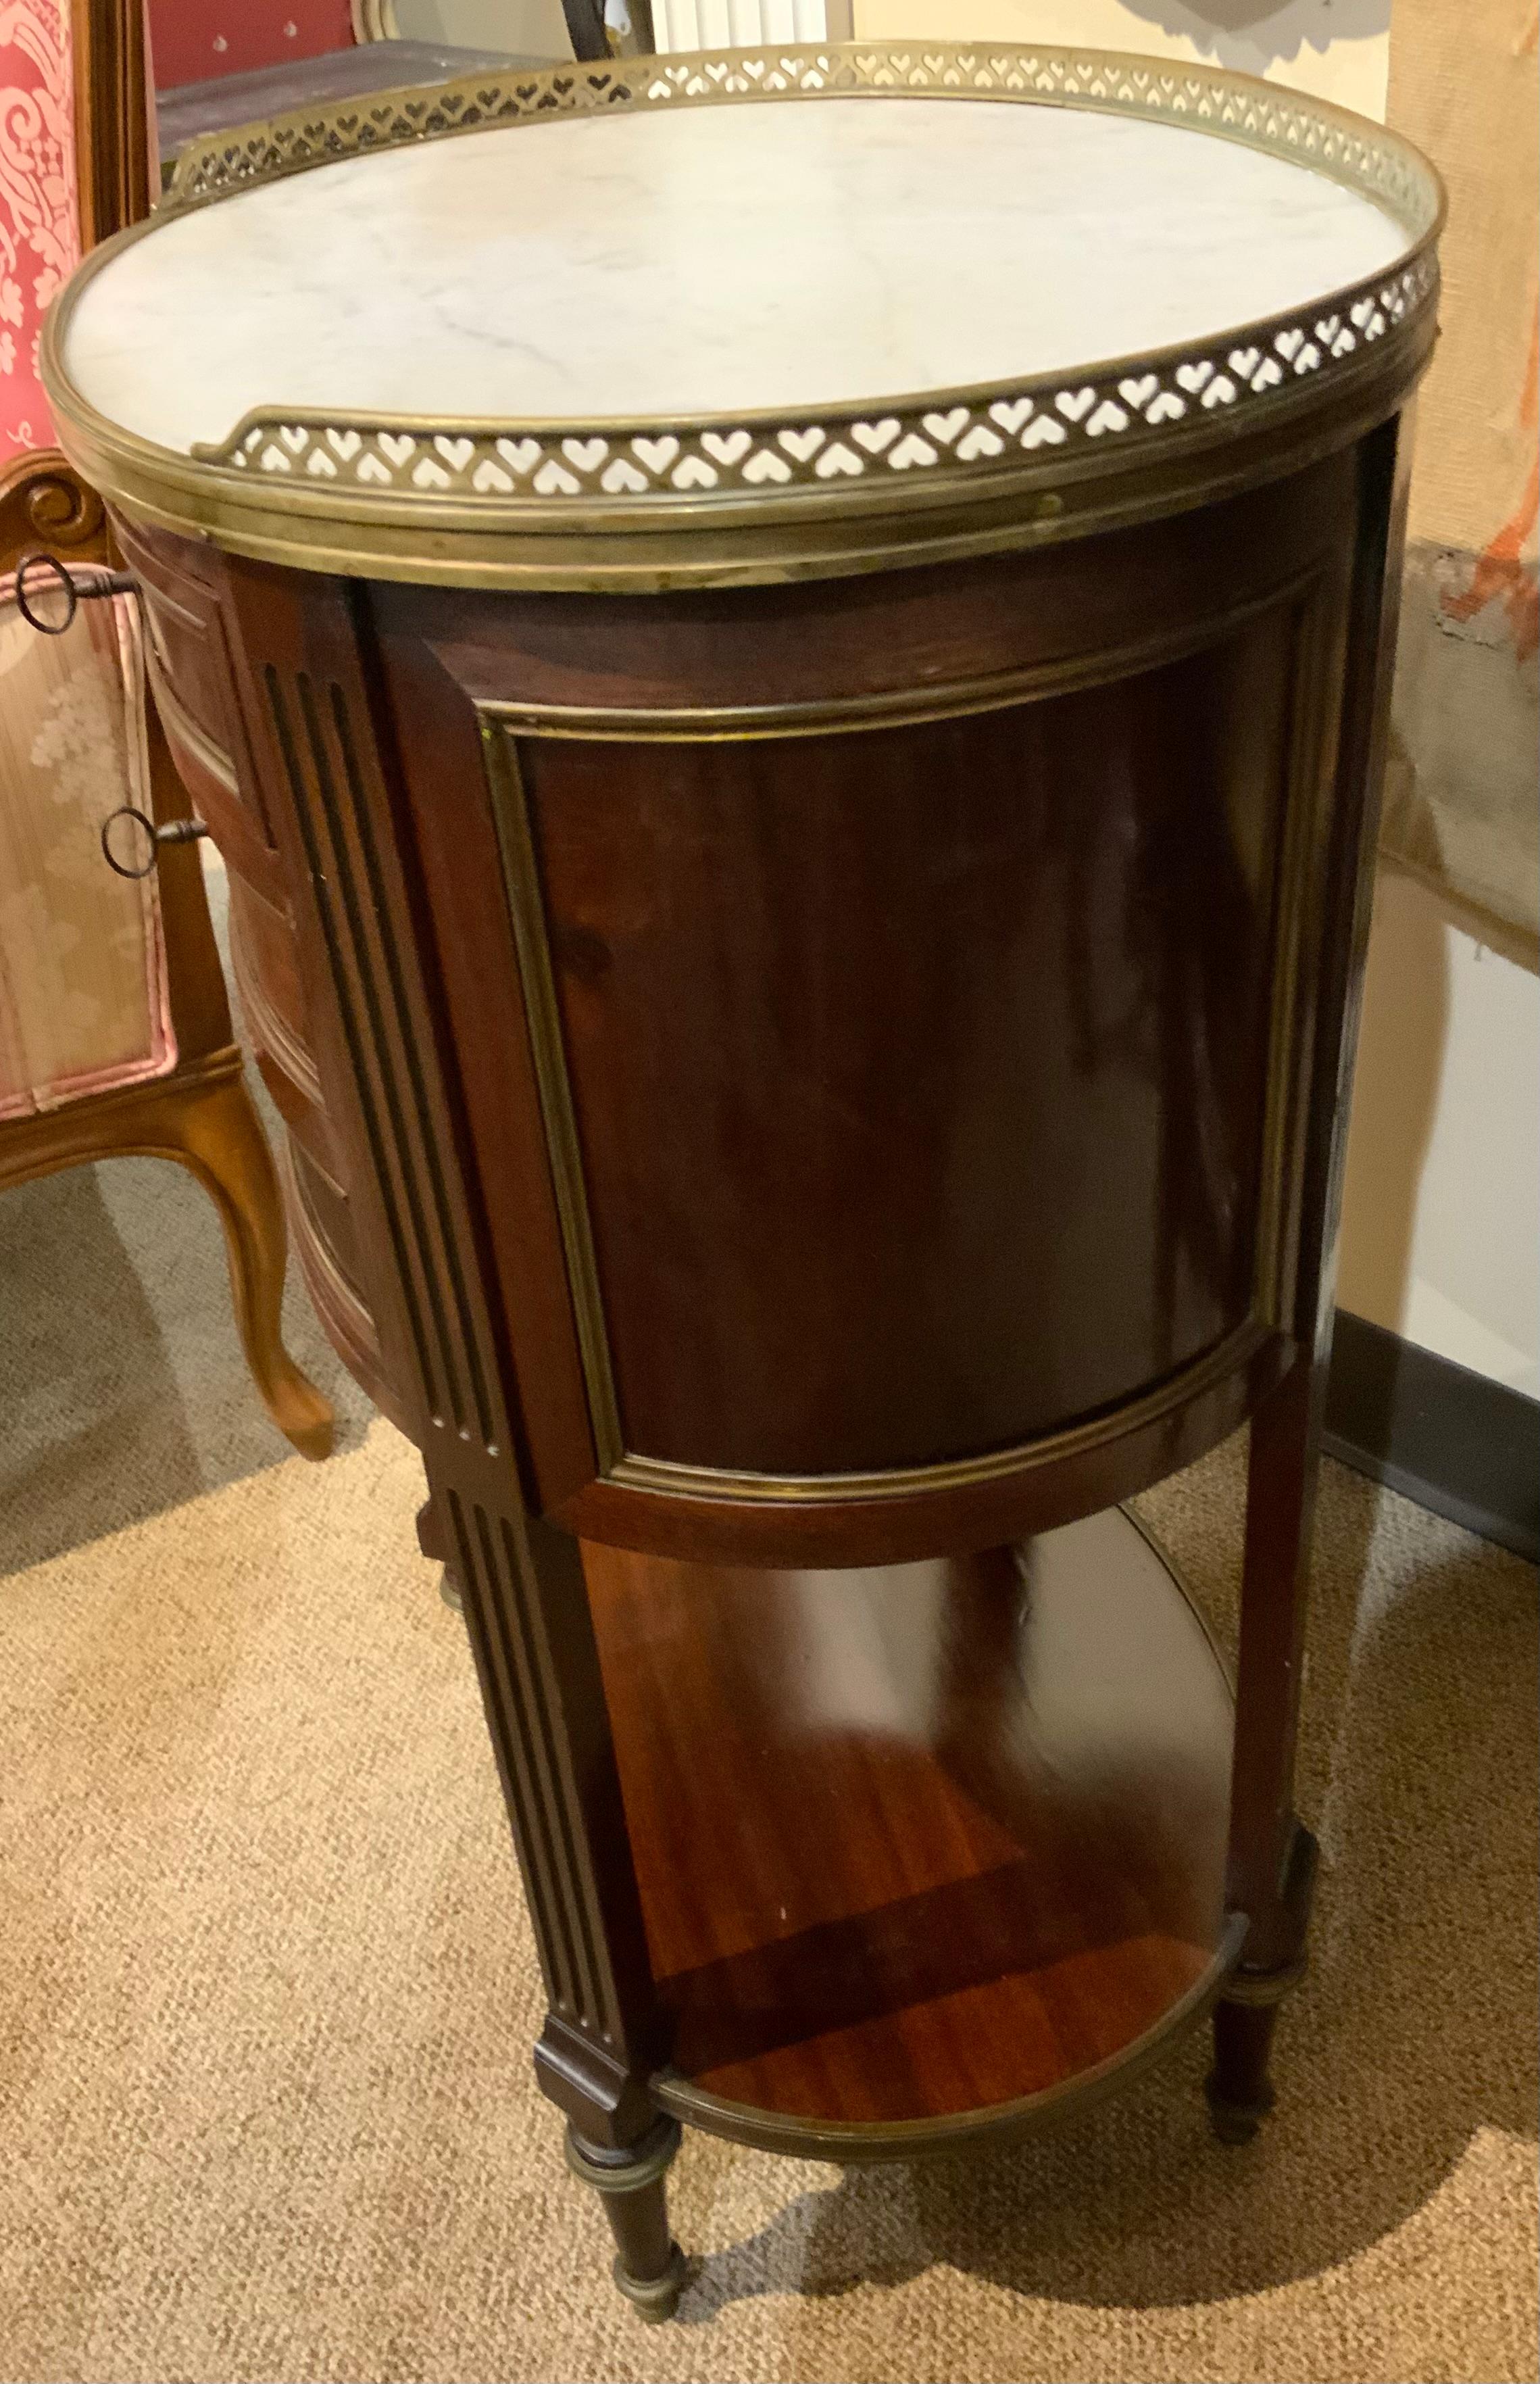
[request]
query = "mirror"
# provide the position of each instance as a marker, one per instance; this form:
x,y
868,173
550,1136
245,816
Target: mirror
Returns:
x,y
219,63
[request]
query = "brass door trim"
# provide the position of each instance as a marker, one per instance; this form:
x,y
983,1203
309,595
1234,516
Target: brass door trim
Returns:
x,y
1305,820
520,875
761,495
662,1477
883,2139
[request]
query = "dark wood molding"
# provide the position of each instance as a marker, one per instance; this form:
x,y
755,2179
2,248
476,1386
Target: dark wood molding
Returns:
x,y
112,118
585,27
1453,1440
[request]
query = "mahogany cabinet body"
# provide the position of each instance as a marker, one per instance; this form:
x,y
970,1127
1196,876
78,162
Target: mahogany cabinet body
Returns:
x,y
839,1074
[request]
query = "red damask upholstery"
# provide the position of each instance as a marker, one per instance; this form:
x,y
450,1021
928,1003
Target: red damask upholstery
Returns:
x,y
39,238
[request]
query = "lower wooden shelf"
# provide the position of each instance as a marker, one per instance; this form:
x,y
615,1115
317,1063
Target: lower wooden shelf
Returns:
x,y
926,1849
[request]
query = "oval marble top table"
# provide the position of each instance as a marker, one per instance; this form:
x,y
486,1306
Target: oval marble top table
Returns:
x,y
789,654
709,263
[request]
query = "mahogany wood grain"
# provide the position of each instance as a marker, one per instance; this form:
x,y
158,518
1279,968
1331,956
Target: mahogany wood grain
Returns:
x,y
918,1840
920,1038
889,989
199,668
447,813
961,1034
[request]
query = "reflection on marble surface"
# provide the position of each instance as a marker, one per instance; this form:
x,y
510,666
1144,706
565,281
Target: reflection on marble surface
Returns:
x,y
792,254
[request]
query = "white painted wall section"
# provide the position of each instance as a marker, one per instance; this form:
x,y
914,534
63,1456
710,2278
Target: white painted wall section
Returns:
x,y
737,24
1336,49
1441,1215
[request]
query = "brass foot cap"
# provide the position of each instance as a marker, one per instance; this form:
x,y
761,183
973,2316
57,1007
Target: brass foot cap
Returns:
x,y
654,2298
1235,2123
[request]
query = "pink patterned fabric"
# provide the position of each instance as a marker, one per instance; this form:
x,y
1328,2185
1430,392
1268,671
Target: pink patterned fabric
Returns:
x,y
39,235
84,997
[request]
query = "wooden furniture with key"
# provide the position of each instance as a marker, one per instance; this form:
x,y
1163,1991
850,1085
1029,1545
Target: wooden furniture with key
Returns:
x,y
809,953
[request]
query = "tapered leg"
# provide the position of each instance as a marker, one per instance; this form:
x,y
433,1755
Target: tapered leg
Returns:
x,y
211,1128
1240,2087
650,2267
1272,1855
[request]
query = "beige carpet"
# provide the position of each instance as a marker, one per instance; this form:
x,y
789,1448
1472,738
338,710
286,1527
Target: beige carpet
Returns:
x,y
266,1990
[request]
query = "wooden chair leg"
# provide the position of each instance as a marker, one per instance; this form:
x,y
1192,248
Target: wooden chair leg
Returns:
x,y
211,1127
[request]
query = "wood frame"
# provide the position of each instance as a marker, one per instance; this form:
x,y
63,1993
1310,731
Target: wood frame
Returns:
x,y
114,168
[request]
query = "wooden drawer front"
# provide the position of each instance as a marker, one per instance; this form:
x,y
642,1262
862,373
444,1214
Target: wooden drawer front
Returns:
x,y
266,954
197,693
326,1245
331,1220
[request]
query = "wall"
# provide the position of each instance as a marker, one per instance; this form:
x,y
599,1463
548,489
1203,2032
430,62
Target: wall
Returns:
x,y
1338,49
1439,1223
703,24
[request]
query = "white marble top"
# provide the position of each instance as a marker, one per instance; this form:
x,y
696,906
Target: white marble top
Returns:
x,y
795,253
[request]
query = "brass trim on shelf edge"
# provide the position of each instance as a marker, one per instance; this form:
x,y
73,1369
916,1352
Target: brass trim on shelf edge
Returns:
x,y
869,2139
855,2140
758,496
1336,141
419,544
563,1151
